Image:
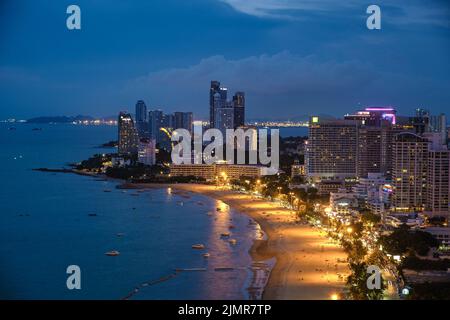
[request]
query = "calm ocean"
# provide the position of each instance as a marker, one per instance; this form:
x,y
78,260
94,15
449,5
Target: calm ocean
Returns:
x,y
45,226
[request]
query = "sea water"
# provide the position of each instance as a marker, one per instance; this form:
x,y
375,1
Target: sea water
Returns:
x,y
49,221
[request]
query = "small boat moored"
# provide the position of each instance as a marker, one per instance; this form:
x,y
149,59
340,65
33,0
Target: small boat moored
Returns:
x,y
198,246
112,253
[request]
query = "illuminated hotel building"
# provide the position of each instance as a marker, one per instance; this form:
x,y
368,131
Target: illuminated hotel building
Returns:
x,y
332,148
409,171
210,172
438,183
375,133
374,116
146,151
128,136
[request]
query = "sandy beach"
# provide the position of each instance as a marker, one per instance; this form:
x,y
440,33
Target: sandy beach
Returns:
x,y
308,266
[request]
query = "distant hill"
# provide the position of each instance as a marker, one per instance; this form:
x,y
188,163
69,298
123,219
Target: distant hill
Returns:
x,y
59,119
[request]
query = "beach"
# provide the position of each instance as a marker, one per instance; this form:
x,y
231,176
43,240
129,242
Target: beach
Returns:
x,y
308,265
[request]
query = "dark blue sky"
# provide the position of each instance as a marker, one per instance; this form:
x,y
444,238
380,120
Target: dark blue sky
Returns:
x,y
291,57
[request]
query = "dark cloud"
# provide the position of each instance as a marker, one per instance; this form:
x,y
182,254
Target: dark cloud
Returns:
x,y
283,84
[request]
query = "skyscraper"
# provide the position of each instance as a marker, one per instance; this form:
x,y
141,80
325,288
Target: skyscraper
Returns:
x,y
168,121
183,120
369,150
438,183
239,109
214,102
332,148
128,136
155,123
409,171
146,151
438,124
141,119
377,126
224,115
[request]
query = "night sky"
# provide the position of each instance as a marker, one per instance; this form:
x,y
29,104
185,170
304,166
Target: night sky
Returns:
x,y
291,57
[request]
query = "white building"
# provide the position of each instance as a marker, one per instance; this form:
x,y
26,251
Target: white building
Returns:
x,y
146,152
342,202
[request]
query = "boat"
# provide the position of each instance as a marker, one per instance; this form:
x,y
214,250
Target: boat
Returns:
x,y
224,269
233,241
120,234
189,269
198,246
106,190
92,214
206,255
225,234
112,253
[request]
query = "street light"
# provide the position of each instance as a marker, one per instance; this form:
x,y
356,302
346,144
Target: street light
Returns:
x,y
334,296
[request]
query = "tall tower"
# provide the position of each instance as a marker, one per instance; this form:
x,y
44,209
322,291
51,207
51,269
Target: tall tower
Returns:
x,y
141,119
224,116
183,120
409,171
332,148
438,182
128,136
239,109
155,122
215,103
215,86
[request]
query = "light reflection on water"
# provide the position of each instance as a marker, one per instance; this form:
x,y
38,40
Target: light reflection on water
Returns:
x,y
45,226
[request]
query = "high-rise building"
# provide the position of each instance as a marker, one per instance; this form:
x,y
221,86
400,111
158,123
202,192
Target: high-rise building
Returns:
x,y
239,109
141,118
128,136
374,116
438,124
224,117
224,114
214,102
332,148
370,146
146,151
155,123
168,121
183,120
375,132
409,171
420,121
437,202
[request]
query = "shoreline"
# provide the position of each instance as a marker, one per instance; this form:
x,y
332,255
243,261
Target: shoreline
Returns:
x,y
307,265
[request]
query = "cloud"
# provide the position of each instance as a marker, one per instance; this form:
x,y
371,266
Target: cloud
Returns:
x,y
273,83
410,12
